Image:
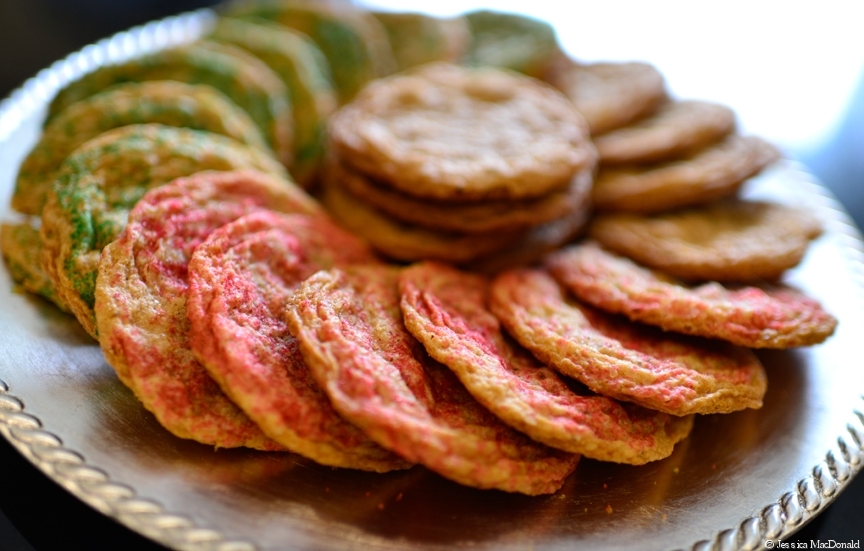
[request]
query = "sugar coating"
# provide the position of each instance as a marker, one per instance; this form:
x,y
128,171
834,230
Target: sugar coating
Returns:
x,y
377,376
304,70
22,251
510,41
676,128
609,95
104,178
764,316
246,80
728,240
417,38
240,279
507,136
141,297
617,358
354,43
446,311
171,103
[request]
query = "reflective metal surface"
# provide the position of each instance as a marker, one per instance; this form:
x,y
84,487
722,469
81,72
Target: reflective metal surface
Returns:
x,y
737,480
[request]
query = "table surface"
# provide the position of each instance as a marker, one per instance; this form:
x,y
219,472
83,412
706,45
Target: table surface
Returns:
x,y
38,515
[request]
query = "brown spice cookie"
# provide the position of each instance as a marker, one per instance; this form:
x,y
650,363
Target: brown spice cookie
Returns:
x,y
755,317
535,243
446,311
477,217
709,174
406,242
141,294
378,377
675,129
730,240
240,279
609,95
617,358
456,133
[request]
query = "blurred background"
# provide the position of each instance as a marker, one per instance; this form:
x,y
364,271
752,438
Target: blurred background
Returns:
x,y
794,73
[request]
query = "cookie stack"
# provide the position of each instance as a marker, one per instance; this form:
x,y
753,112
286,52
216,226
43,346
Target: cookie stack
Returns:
x,y
657,154
467,165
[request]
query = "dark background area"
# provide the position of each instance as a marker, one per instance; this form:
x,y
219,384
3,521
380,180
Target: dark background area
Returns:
x,y
38,515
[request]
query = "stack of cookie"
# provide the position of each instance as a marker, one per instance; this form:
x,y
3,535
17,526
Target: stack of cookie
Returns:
x,y
657,154
460,164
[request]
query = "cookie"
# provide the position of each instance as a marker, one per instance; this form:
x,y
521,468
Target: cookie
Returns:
x,y
353,41
677,128
141,300
510,41
171,103
377,376
709,174
730,240
446,311
535,243
246,80
101,180
407,242
609,95
417,38
304,70
22,251
764,316
617,358
475,217
240,279
507,136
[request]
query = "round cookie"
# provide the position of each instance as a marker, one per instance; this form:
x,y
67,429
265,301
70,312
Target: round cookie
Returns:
x,y
377,376
417,38
246,80
101,180
478,217
617,358
304,70
240,279
510,41
507,136
761,316
609,95
446,311
677,128
353,41
709,174
22,251
730,240
141,300
171,103
407,242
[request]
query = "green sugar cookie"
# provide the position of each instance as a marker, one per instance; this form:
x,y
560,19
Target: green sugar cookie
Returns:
x,y
104,178
306,74
22,250
417,38
353,41
171,103
510,41
246,80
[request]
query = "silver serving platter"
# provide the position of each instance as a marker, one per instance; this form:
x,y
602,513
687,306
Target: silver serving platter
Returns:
x,y
736,482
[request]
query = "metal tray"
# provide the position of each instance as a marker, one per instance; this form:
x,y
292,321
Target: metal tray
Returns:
x,y
737,481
